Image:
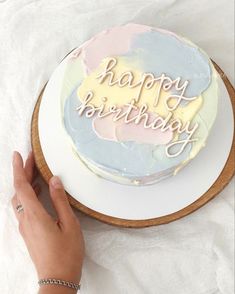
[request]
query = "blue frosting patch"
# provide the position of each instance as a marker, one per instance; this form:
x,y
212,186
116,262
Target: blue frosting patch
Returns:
x,y
162,53
128,158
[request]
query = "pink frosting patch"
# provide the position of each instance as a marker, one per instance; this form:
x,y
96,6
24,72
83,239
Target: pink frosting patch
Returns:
x,y
95,50
107,129
137,133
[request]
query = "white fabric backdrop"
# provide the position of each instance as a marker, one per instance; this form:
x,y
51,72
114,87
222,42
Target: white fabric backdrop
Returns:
x,y
191,256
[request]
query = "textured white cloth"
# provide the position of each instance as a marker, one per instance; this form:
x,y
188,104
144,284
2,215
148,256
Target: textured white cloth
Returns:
x,y
191,256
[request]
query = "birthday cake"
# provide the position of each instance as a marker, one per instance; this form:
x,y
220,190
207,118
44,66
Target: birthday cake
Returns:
x,y
137,103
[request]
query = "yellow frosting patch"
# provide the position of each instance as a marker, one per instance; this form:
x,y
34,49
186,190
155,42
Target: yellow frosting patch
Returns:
x,y
120,96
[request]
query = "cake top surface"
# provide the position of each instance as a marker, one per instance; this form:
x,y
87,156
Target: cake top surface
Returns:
x,y
137,100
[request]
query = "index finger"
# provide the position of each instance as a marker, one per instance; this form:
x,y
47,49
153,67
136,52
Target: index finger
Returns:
x,y
24,190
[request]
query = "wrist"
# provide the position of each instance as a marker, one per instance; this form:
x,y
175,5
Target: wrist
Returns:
x,y
61,274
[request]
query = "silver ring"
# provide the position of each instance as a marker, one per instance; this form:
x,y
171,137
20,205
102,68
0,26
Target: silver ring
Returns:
x,y
19,208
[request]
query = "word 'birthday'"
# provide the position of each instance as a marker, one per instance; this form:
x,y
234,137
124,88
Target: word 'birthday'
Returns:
x,y
130,113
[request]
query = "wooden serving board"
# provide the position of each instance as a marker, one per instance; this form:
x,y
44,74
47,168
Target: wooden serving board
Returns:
x,y
223,179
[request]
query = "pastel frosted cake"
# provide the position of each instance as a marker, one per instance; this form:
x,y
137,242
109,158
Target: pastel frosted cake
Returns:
x,y
137,103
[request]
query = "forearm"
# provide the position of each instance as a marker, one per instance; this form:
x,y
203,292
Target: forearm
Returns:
x,y
55,289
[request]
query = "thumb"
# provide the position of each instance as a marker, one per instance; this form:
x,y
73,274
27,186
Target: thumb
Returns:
x,y
60,200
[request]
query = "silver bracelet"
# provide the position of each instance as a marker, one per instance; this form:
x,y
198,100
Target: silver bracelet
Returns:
x,y
59,282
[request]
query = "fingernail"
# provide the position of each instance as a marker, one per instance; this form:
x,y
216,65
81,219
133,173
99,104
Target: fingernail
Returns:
x,y
56,182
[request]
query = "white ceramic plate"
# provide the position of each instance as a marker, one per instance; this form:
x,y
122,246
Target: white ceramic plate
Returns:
x,y
127,202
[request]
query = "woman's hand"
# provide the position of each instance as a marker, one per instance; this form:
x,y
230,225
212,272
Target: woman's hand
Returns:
x,y
55,246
